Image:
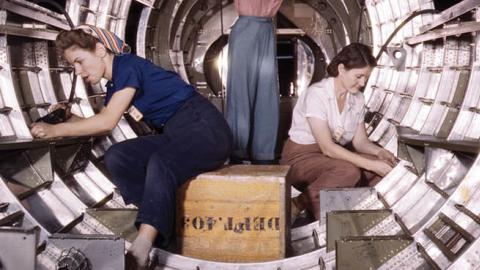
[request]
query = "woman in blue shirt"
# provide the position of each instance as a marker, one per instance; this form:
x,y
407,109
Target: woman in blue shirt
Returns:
x,y
147,170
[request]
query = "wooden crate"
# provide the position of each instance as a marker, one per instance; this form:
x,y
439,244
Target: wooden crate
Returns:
x,y
239,213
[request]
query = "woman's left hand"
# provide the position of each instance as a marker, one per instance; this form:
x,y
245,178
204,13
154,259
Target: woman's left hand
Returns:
x,y
387,156
43,130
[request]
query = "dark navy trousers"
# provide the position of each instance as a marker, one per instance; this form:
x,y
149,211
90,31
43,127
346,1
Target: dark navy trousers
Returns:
x,y
148,170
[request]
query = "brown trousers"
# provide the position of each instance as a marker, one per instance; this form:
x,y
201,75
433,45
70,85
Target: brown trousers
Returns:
x,y
311,170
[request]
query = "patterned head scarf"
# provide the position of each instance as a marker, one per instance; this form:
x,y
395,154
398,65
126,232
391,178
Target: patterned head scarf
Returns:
x,y
111,41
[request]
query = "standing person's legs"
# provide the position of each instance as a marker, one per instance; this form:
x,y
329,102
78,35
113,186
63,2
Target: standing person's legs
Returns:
x,y
266,107
241,83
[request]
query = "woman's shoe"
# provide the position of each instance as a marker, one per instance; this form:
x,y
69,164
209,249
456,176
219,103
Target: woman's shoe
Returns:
x,y
296,209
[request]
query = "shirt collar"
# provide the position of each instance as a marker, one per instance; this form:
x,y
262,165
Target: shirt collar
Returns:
x,y
350,98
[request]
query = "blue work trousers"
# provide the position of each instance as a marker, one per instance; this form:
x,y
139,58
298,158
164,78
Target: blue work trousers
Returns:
x,y
252,88
148,170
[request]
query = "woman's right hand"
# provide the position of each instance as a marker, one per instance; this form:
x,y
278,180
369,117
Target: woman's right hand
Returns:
x,y
380,167
61,106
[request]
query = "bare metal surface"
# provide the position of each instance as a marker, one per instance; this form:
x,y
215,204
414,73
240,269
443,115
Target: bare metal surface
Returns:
x,y
451,13
17,248
436,95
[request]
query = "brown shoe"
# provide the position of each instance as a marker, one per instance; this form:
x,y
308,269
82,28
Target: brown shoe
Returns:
x,y
296,208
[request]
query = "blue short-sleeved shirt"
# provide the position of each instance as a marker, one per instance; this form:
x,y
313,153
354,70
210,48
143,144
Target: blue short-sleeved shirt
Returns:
x,y
159,93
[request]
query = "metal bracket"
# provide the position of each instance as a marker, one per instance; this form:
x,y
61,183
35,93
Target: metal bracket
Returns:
x,y
398,56
414,154
448,236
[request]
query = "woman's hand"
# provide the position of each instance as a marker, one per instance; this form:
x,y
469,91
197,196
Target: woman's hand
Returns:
x,y
43,130
64,106
380,167
387,156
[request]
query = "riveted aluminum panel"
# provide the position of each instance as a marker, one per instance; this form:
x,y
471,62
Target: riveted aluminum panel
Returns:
x,y
388,226
408,258
365,253
119,221
351,223
332,199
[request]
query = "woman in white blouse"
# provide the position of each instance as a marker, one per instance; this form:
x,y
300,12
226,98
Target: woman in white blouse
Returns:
x,y
328,145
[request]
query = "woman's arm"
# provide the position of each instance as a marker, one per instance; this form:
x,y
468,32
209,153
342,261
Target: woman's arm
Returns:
x,y
321,132
100,123
75,118
362,144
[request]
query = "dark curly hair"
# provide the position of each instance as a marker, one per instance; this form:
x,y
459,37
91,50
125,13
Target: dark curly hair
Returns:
x,y
78,38
355,55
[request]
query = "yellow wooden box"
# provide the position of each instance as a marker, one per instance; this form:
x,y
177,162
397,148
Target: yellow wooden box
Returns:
x,y
239,213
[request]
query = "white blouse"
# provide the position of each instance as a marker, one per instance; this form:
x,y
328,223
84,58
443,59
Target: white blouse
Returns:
x,y
319,101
